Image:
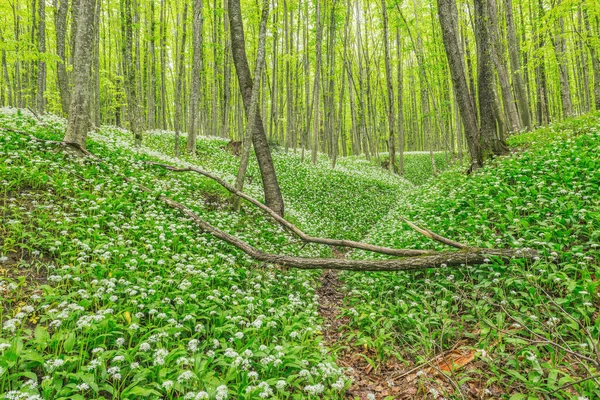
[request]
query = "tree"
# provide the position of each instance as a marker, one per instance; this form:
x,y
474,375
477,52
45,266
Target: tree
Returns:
x,y
273,196
41,72
491,141
79,121
131,87
448,16
515,63
253,109
60,25
197,72
390,91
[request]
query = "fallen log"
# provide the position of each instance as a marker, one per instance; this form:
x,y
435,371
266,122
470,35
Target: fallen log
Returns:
x,y
463,257
291,227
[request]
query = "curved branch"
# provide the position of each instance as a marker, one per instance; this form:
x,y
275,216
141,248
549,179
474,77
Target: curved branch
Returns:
x,y
291,227
435,236
434,260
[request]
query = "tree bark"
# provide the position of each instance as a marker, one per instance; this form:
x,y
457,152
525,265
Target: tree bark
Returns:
x,y
152,70
491,143
197,71
560,49
390,91
510,108
253,109
41,71
448,15
515,63
316,101
595,56
79,122
60,25
133,105
400,121
272,192
179,82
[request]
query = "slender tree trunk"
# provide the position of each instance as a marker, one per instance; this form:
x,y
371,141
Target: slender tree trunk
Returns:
x,y
6,75
595,56
79,122
133,105
152,70
491,143
543,115
273,196
226,74
163,64
180,78
197,71
96,117
60,26
400,120
448,16
316,86
41,71
510,108
253,109
560,48
390,92
517,74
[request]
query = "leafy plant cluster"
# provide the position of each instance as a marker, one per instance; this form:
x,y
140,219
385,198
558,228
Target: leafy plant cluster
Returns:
x,y
129,299
534,328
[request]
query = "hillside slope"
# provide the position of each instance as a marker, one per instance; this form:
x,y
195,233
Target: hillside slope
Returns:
x,y
108,293
522,330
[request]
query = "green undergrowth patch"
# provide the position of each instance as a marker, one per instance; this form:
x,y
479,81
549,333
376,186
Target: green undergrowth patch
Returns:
x,y
135,301
533,327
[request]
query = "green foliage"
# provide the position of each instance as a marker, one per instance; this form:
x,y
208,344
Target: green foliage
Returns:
x,y
107,293
520,318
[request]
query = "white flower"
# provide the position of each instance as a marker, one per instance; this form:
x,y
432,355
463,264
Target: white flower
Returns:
x,y
314,389
167,384
83,387
280,384
185,376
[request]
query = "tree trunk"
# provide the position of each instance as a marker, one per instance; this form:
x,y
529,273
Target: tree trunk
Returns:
x,y
515,63
272,192
60,25
79,121
133,105
41,71
152,71
253,109
316,88
400,121
595,56
390,92
560,48
197,71
490,142
179,82
163,64
510,108
448,15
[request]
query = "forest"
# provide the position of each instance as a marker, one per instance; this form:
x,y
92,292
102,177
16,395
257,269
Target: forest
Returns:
x,y
294,199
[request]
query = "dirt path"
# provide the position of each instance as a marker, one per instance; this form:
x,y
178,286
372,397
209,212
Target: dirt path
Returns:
x,y
379,381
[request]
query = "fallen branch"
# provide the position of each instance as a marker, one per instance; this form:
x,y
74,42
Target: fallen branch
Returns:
x,y
291,227
435,236
434,260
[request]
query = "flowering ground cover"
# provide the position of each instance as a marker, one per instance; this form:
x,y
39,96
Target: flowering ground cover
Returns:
x,y
107,293
527,331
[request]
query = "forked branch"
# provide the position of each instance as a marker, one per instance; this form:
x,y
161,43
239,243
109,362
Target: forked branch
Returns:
x,y
469,256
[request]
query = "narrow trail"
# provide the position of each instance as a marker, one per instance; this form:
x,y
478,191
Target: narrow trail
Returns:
x,y
366,380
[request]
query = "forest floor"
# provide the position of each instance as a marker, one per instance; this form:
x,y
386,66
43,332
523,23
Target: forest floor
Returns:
x,y
107,293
